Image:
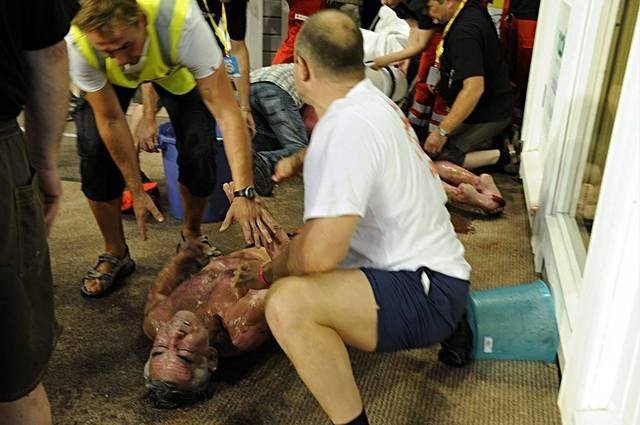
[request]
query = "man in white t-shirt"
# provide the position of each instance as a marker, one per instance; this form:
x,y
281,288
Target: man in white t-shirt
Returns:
x,y
116,46
377,265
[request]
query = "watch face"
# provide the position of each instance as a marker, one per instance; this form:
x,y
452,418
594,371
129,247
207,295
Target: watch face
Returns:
x,y
250,193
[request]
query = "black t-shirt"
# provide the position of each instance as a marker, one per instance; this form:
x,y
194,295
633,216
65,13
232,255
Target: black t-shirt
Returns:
x,y
525,9
236,13
27,25
472,48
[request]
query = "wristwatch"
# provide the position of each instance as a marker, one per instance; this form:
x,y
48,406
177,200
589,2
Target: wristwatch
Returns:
x,y
442,132
248,192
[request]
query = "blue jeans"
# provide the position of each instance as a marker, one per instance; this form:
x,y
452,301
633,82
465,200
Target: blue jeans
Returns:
x,y
280,130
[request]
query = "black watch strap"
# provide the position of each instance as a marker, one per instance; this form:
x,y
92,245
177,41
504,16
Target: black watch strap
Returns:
x,y
248,192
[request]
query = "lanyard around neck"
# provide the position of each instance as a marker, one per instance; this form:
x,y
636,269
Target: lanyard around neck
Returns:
x,y
221,31
440,48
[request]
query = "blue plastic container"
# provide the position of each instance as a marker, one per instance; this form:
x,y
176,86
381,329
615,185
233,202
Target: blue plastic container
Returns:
x,y
218,204
514,323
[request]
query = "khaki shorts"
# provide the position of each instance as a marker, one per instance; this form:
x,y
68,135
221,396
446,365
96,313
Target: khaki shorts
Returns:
x,y
27,322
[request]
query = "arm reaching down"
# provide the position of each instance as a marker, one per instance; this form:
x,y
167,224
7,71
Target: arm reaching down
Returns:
x,y
320,247
115,132
217,95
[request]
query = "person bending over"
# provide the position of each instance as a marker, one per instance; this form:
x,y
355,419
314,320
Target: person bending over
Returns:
x,y
114,47
194,321
377,265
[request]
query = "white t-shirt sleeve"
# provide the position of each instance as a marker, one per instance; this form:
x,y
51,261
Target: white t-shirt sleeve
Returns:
x,y
83,75
198,49
340,169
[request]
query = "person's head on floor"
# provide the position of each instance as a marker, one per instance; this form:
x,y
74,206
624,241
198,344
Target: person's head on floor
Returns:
x,y
178,370
117,28
329,49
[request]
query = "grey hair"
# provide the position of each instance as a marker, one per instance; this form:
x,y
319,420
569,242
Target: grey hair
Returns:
x,y
167,395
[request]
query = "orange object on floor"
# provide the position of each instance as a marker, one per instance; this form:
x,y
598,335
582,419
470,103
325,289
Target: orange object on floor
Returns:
x,y
127,199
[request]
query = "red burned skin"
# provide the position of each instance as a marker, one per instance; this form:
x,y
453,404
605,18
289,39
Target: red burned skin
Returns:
x,y
466,188
234,324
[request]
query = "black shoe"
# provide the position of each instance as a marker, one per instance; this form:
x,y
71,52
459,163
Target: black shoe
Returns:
x,y
262,175
510,149
455,351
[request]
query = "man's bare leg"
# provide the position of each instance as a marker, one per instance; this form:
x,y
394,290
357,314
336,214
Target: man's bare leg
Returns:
x,y
313,334
109,219
455,174
193,211
483,192
33,409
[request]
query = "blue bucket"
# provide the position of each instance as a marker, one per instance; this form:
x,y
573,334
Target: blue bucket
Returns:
x,y
514,323
217,204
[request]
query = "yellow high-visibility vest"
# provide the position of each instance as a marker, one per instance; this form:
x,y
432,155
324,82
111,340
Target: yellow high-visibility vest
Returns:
x,y
165,20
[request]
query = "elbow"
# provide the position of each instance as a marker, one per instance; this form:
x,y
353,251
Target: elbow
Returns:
x,y
478,87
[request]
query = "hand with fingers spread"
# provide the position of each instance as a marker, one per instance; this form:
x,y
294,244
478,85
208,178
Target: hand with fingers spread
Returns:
x,y
249,214
142,206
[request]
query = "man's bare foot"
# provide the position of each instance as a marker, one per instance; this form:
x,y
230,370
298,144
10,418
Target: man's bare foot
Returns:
x,y
488,203
488,186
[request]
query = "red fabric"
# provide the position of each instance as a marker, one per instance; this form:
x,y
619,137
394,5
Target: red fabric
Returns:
x,y
440,110
303,8
517,37
424,100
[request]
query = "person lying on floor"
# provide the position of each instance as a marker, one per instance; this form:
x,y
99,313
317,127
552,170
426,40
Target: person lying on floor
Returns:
x,y
463,188
193,322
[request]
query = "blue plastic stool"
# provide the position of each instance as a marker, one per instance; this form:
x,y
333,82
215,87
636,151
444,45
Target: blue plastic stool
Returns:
x,y
514,323
217,204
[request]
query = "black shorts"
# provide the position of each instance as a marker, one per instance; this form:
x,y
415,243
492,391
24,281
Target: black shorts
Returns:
x,y
470,138
27,321
408,317
194,127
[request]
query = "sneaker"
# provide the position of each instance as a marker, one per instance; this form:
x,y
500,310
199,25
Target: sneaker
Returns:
x,y
455,351
262,175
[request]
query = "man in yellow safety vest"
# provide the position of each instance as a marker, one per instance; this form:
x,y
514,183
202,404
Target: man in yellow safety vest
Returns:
x,y
114,47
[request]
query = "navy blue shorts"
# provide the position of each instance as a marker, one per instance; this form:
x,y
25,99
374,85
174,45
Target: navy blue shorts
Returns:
x,y
407,316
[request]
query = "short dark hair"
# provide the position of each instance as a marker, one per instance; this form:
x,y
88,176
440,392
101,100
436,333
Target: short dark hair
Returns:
x,y
166,395
332,42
